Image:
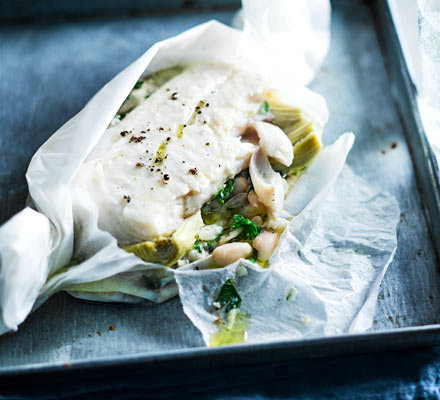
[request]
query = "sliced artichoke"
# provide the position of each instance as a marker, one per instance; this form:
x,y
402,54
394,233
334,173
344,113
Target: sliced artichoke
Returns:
x,y
128,287
168,251
284,116
306,150
299,130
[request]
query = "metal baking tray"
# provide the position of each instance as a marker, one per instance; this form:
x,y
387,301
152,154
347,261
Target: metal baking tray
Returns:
x,y
49,71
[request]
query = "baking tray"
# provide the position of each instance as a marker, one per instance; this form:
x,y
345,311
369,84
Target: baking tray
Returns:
x,y
367,87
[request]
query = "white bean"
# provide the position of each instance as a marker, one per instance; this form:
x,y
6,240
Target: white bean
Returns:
x,y
230,252
229,236
209,232
250,211
253,199
277,224
240,185
257,220
265,244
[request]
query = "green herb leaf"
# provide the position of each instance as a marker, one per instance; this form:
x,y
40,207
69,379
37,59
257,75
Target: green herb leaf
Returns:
x,y
147,95
229,297
250,230
264,109
138,85
210,245
225,190
254,256
197,246
117,116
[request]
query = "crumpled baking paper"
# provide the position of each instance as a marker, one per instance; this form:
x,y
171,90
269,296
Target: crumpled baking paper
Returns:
x,y
37,247
325,273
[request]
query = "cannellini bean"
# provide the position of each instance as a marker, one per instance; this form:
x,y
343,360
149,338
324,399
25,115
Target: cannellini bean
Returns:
x,y
250,211
265,244
229,236
210,232
240,185
277,224
253,199
231,252
257,220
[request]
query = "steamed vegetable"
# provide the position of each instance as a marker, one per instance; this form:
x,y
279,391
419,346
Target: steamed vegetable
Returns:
x,y
305,150
168,251
250,230
228,296
225,190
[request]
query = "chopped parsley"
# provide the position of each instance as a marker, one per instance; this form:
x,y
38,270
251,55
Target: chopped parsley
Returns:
x,y
229,297
208,245
250,230
138,85
264,109
197,246
254,256
225,190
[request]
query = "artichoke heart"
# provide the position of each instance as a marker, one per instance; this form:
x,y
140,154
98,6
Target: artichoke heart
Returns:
x,y
168,250
299,130
285,116
306,140
305,150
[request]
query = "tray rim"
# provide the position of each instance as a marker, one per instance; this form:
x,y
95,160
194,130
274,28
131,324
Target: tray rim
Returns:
x,y
387,339
372,341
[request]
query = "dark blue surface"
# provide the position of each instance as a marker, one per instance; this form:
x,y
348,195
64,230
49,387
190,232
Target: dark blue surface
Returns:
x,y
400,375
29,10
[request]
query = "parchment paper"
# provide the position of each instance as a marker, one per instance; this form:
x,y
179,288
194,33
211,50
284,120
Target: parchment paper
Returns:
x,y
37,247
325,274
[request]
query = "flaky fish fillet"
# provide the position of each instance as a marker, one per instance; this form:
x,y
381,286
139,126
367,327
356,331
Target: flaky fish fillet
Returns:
x,y
171,154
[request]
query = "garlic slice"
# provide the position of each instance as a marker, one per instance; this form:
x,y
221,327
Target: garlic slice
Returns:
x,y
274,142
268,184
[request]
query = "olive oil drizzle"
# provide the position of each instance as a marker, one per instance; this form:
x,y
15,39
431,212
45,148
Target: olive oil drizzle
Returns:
x,y
192,119
179,132
160,154
235,334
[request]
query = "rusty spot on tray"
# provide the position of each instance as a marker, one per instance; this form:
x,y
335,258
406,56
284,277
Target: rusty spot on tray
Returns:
x,y
112,328
391,146
431,298
99,333
391,319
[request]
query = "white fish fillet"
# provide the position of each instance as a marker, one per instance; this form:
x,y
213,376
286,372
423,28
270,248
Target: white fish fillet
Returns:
x,y
146,181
